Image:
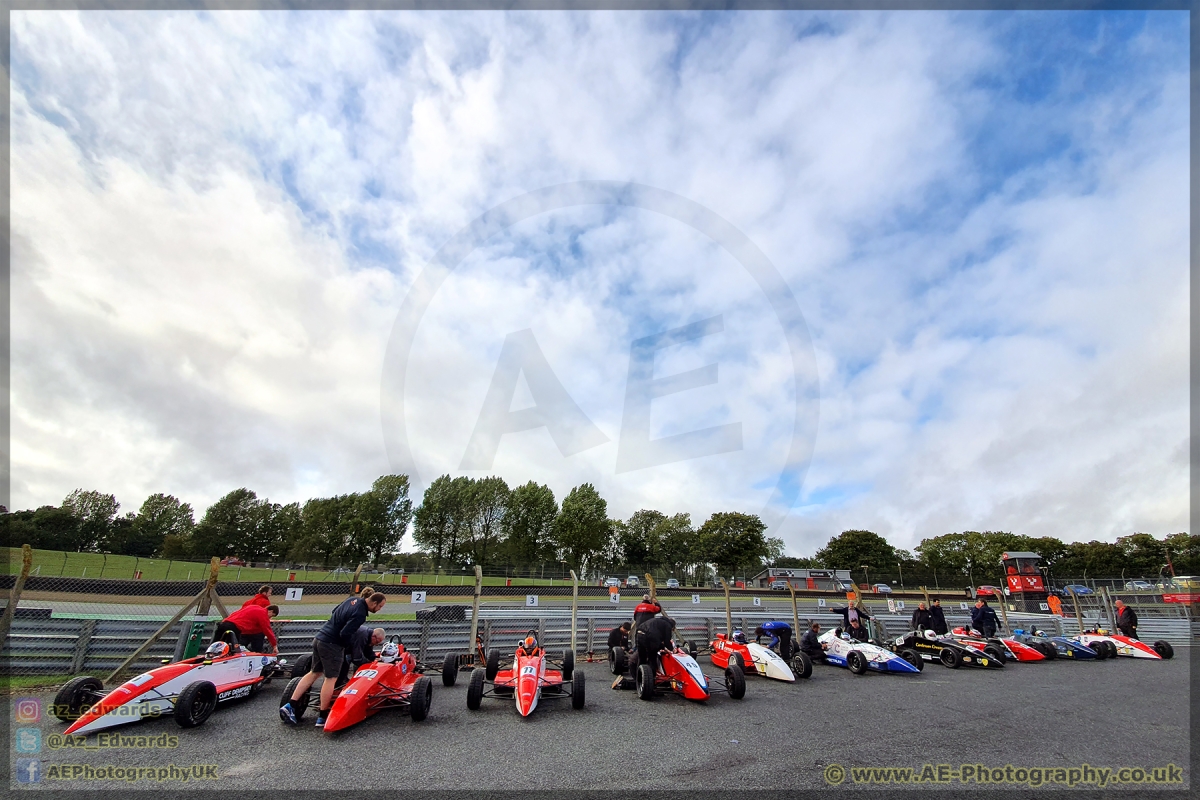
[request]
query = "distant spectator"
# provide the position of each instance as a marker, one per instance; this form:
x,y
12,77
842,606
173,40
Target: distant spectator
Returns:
x,y
263,598
937,618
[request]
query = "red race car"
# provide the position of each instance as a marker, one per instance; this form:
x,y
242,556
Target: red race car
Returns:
x,y
1002,649
531,674
190,690
676,670
391,681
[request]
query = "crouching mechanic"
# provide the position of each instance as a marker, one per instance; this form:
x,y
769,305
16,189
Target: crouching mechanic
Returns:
x,y
619,636
329,652
251,627
810,643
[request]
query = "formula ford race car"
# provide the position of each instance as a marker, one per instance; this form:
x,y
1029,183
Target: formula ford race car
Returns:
x,y
1009,649
391,681
529,677
1059,646
945,650
762,660
190,690
676,670
859,657
1125,646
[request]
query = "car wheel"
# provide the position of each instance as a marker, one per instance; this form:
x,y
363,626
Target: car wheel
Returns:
x,y
1099,649
950,658
76,696
991,651
450,670
302,666
568,664
493,664
857,662
913,658
1112,650
736,660
578,690
196,703
801,665
475,690
691,649
618,662
1164,649
735,682
645,681
421,698
298,706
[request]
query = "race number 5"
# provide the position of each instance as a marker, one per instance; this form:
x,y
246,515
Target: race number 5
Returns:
x,y
418,597
531,600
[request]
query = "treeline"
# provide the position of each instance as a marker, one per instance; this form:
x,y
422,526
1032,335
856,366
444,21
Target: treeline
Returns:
x,y
465,521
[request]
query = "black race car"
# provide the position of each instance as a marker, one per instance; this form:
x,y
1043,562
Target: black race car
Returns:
x,y
943,649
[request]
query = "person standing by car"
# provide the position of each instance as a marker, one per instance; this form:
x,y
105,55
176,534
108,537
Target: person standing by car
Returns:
x,y
937,618
329,651
810,643
251,627
263,598
984,619
922,619
1126,620
653,635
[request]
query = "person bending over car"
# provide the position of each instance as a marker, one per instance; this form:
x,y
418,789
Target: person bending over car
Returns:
x,y
781,636
645,611
251,627
652,636
263,598
937,618
922,619
329,652
984,619
810,643
1126,620
362,651
619,636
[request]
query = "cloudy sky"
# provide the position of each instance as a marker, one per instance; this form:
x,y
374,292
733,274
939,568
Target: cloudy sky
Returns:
x,y
229,227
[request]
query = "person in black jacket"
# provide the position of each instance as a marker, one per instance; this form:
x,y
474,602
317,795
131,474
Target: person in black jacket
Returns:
x,y
937,618
810,644
619,636
921,618
984,619
1126,620
362,651
329,652
653,635
857,630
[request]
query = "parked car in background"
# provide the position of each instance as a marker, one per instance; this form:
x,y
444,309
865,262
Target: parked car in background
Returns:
x,y
672,583
881,588
1079,589
1139,586
779,584
232,562
396,571
632,582
988,591
612,582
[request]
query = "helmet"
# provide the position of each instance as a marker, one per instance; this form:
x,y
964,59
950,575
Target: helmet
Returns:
x,y
389,653
217,650
529,643
739,637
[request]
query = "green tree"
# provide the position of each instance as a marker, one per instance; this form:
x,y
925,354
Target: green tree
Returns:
x,y
486,502
637,539
95,512
442,517
851,549
732,541
160,516
529,524
227,526
581,529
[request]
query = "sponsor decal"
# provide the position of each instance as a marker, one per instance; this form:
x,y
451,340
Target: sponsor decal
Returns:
x,y
141,679
403,668
230,694
350,691
366,673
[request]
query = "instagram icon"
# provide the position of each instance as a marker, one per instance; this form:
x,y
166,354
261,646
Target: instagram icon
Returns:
x,y
28,709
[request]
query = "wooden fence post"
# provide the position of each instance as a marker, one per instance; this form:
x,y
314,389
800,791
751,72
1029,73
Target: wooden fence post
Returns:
x,y
14,596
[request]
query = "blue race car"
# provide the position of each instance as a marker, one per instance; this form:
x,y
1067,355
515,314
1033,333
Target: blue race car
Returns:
x,y
1059,646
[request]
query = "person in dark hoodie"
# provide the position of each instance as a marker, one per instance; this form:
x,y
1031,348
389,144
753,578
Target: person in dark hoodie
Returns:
x,y
1126,620
329,652
619,636
921,618
937,618
810,643
984,619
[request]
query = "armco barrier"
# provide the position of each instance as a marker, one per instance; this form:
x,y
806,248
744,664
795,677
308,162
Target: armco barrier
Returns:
x,y
65,646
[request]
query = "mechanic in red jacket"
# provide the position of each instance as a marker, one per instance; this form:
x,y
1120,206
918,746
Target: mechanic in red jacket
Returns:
x,y
263,598
250,625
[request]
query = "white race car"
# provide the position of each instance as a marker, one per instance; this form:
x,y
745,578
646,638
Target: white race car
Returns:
x,y
752,657
842,651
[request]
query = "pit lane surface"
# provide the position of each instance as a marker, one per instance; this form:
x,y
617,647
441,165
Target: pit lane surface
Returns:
x,y
1112,713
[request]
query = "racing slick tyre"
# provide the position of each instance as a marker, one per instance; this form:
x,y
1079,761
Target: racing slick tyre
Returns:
x,y
475,690
801,665
645,681
1164,649
993,652
735,659
302,666
618,661
298,706
1101,650
493,664
196,703
690,647
912,657
421,697
735,681
578,689
857,662
1048,650
950,658
1112,650
450,670
568,664
75,697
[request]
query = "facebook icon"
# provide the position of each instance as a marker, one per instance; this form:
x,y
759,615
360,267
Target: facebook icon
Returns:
x,y
29,770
